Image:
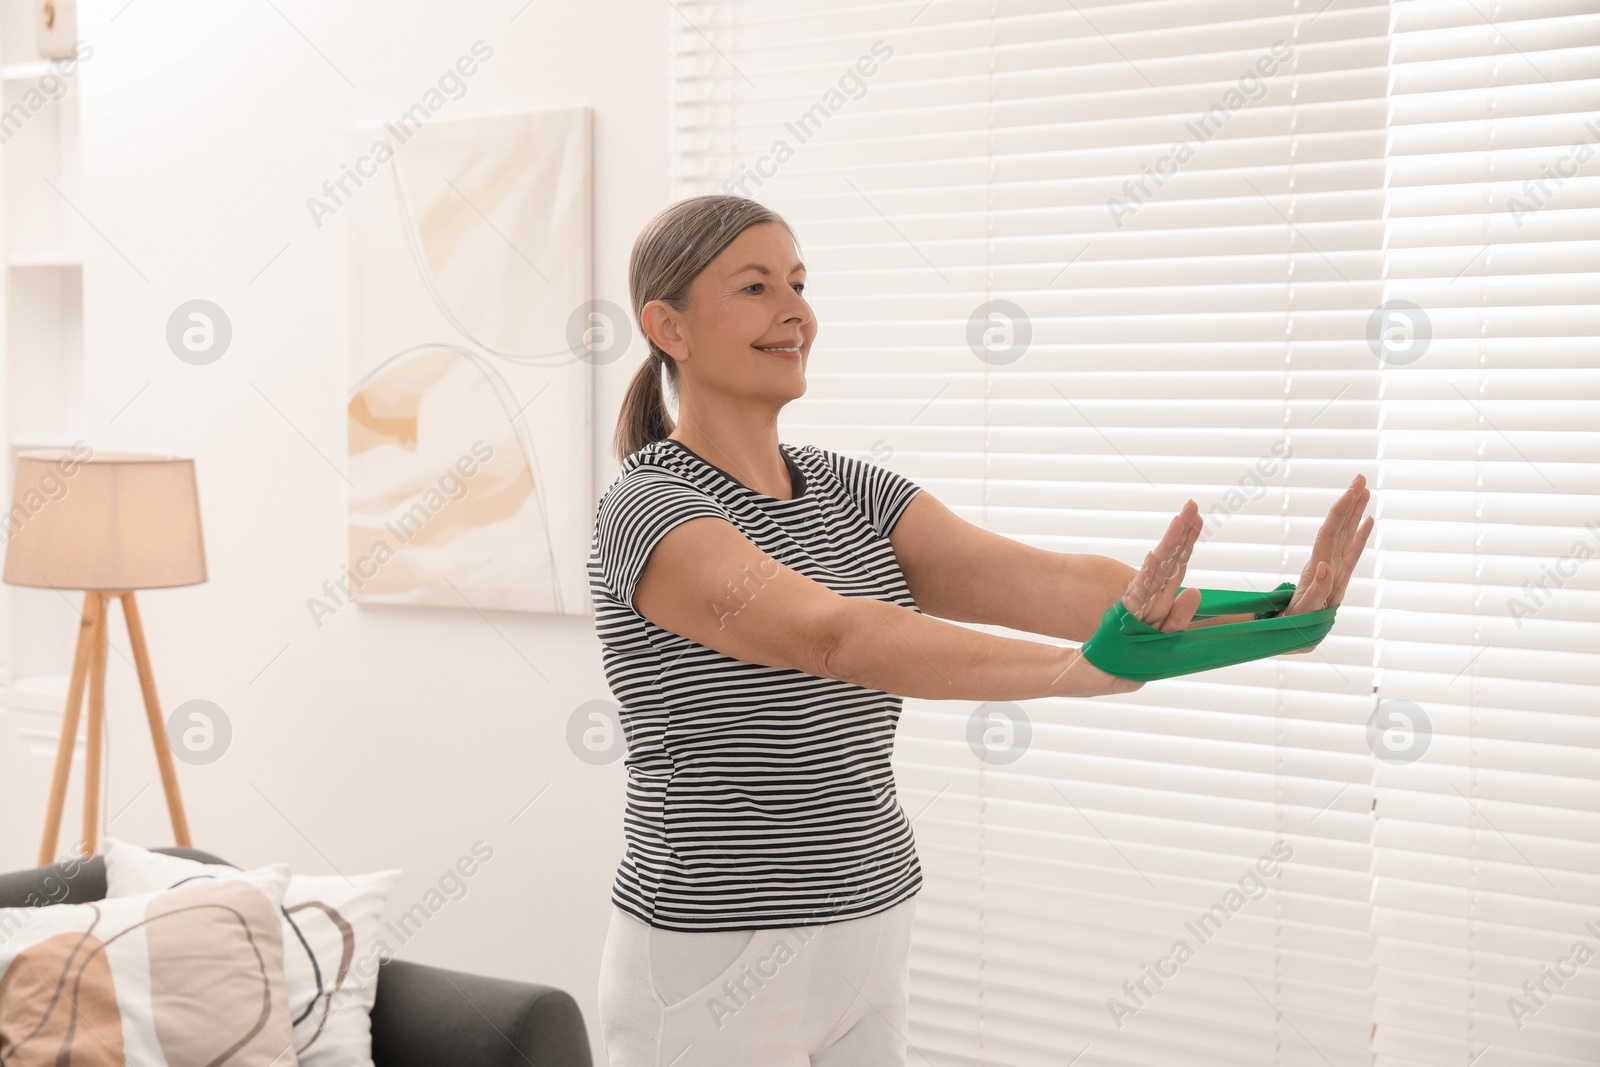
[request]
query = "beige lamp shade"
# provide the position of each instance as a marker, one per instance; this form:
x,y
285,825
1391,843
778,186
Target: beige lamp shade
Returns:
x,y
114,521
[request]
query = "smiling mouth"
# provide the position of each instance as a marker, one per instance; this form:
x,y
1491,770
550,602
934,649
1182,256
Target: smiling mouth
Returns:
x,y
791,351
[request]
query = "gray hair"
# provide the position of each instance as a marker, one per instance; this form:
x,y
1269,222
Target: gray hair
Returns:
x,y
669,254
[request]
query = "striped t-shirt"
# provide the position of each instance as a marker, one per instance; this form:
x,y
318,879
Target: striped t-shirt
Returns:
x,y
757,796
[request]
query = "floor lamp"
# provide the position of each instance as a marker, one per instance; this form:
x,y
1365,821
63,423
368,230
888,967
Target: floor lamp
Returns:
x,y
108,525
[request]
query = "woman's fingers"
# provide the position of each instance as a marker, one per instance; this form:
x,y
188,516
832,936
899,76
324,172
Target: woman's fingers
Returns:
x,y
1153,593
1327,545
1312,593
1326,577
1179,608
1168,562
1345,552
1152,597
1332,548
1352,557
1182,612
1142,590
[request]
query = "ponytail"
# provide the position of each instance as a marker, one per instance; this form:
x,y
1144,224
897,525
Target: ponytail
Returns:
x,y
644,416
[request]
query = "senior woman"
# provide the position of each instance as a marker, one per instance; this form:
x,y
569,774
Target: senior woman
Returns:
x,y
763,609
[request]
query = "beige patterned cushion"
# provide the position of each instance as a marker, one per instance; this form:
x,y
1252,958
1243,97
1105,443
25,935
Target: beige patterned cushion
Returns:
x,y
331,946
180,978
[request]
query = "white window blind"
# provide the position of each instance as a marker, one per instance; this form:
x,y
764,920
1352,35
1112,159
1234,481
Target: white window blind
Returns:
x,y
1187,215
1488,848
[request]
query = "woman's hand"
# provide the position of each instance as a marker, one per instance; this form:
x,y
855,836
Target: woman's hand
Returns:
x,y
1334,554
1152,596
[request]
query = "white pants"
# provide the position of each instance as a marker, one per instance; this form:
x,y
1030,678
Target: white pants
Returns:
x,y
830,995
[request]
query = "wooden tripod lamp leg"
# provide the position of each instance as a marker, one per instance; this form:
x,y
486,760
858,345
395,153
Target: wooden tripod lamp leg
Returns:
x,y
93,620
92,743
152,709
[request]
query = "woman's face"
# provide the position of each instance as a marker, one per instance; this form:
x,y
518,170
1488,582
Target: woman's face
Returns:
x,y
748,299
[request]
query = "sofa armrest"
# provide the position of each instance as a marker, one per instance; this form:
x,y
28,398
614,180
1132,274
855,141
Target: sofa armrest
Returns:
x,y
431,1017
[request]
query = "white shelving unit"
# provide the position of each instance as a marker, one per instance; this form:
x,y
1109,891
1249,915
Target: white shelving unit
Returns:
x,y
41,349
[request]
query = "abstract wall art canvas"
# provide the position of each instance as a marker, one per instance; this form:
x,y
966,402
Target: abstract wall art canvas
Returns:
x,y
469,404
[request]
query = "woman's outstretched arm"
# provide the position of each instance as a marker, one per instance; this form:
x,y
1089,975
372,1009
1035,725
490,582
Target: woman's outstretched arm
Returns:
x,y
706,581
962,572
959,571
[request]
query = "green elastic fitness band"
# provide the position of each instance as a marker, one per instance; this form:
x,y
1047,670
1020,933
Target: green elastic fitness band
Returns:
x,y
1128,647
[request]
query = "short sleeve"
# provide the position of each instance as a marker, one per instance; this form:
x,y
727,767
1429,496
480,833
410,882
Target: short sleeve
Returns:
x,y
882,494
632,518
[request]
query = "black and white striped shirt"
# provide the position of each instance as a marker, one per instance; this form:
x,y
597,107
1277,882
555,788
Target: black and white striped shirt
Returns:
x,y
757,796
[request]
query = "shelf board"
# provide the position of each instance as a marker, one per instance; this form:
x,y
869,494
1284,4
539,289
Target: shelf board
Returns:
x,y
22,71
25,439
46,260
30,69
40,693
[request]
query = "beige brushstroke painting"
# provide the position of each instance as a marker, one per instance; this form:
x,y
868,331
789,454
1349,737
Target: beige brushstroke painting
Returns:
x,y
469,408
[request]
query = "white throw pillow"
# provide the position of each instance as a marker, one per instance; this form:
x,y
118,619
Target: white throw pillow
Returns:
x,y
174,978
330,929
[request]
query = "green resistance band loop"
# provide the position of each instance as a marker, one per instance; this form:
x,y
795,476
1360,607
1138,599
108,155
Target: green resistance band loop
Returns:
x,y
1127,647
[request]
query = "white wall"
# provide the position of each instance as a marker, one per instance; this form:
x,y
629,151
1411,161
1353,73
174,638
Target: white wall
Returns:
x,y
390,737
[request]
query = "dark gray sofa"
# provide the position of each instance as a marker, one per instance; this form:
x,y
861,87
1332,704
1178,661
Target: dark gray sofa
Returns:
x,y
424,1016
